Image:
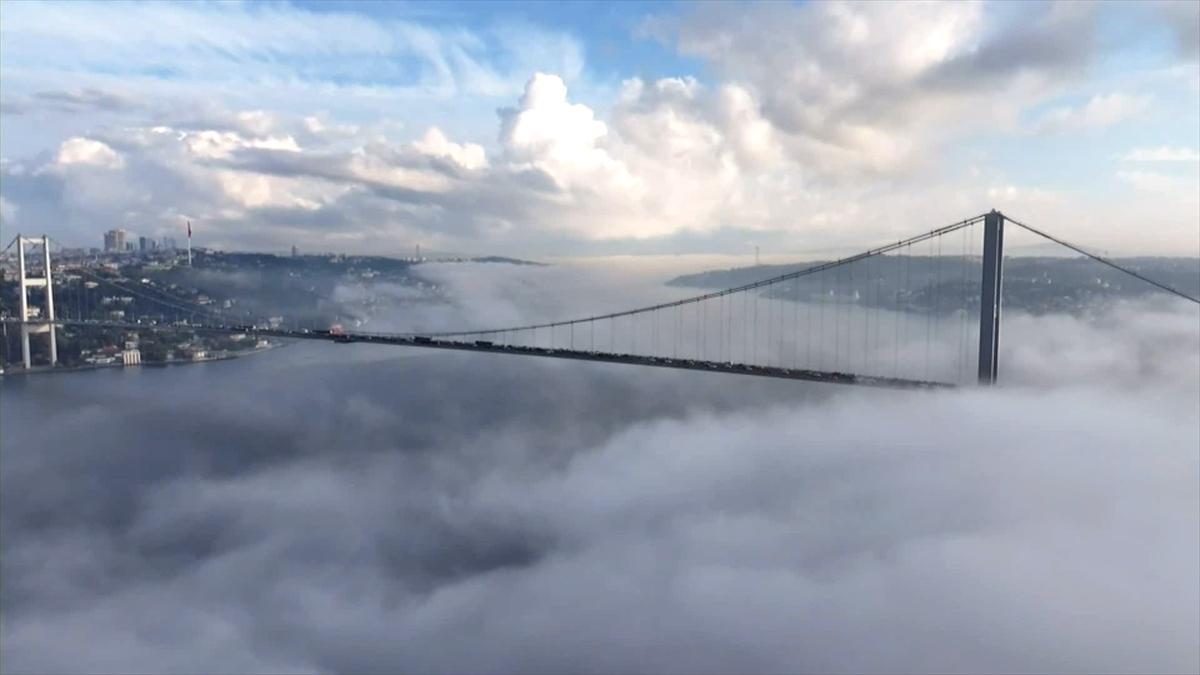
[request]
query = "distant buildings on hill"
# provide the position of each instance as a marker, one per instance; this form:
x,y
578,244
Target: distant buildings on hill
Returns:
x,y
121,241
114,240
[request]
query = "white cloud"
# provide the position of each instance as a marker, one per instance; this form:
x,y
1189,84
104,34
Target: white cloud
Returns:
x,y
674,160
755,140
1162,153
380,164
217,144
466,155
563,139
252,190
1100,111
868,88
1015,196
88,152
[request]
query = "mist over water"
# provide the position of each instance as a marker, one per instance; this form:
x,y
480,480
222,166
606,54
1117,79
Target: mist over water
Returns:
x,y
348,508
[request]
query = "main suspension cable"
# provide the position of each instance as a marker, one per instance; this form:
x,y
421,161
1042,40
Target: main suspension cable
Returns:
x,y
1105,261
953,227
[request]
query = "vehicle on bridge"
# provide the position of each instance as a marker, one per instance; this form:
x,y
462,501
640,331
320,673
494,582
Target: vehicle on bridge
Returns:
x,y
338,333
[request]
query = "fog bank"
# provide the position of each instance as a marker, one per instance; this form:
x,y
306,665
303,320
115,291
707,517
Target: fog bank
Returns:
x,y
334,508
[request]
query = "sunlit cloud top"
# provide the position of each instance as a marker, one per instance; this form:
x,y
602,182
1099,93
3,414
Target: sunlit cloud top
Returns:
x,y
537,130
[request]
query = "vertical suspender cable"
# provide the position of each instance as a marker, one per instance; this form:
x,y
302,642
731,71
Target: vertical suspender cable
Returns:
x,y
821,326
755,357
779,338
896,318
965,313
772,310
837,319
907,292
937,296
808,332
925,308
655,317
795,321
973,326
867,311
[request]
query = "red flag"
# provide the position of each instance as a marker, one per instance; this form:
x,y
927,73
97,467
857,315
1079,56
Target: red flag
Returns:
x,y
189,229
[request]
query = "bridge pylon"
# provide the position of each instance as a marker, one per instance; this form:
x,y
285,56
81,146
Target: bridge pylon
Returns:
x,y
991,291
27,282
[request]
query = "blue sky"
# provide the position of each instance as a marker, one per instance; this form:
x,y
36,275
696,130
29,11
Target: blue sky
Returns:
x,y
608,31
599,128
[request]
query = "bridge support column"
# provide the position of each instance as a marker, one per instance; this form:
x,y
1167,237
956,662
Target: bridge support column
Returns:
x,y
989,301
24,303
50,301
46,281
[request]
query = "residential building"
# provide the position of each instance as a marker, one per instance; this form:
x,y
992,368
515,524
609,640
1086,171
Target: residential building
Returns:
x,y
114,240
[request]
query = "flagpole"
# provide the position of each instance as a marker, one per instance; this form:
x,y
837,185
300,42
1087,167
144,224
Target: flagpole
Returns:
x,y
189,243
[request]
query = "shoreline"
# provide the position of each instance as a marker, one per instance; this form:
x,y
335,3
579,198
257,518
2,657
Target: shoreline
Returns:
x,y
36,370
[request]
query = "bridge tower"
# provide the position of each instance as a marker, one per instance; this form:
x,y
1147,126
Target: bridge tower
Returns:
x,y
989,305
27,282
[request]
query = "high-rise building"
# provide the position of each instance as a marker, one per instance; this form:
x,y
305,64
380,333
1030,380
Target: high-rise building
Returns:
x,y
114,240
145,244
169,243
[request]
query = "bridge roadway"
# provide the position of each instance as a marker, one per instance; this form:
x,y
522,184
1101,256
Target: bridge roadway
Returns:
x,y
549,352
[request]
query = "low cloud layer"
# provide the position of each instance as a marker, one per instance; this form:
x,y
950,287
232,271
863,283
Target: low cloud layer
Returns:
x,y
332,508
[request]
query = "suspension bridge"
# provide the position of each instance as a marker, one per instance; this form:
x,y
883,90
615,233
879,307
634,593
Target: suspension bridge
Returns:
x,y
921,312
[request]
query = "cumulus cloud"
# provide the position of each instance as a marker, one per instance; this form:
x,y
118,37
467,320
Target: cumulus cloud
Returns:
x,y
88,152
353,508
676,161
559,170
214,144
877,87
466,155
562,139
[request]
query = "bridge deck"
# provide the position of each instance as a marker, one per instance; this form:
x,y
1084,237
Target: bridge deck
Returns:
x,y
546,352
